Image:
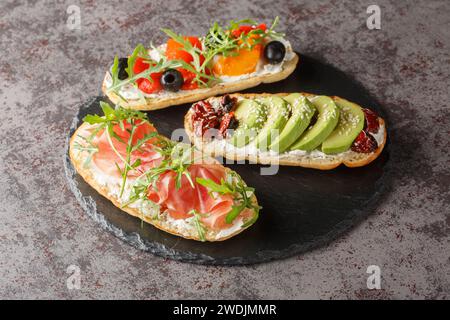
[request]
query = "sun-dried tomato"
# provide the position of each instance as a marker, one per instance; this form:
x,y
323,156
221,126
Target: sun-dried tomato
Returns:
x,y
227,119
364,143
371,124
228,103
222,117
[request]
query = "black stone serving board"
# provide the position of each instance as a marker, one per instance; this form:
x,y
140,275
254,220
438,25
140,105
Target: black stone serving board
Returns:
x,y
302,208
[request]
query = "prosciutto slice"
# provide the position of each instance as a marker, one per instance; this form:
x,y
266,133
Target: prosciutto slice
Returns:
x,y
106,158
179,204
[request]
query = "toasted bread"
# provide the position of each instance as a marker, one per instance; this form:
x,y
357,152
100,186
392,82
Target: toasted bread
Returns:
x,y
307,160
188,96
163,222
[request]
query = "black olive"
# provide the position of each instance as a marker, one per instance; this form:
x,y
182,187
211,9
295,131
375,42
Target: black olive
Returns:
x,y
123,64
227,103
172,80
274,52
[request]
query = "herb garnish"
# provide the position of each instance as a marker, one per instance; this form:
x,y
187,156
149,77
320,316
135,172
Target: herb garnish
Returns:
x,y
198,224
233,185
177,158
120,116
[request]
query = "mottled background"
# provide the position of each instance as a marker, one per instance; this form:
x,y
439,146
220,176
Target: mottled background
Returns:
x,y
46,70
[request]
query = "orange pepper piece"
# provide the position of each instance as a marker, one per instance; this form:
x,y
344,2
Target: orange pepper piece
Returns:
x,y
244,62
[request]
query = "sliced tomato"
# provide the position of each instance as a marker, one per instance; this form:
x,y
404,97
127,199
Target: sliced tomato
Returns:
x,y
148,86
174,50
140,65
144,84
188,76
262,26
246,29
189,86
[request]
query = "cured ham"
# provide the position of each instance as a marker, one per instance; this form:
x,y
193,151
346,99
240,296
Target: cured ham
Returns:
x,y
167,184
106,158
180,203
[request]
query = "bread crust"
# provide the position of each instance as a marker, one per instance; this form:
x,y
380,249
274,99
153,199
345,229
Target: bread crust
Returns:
x,y
332,161
88,175
189,96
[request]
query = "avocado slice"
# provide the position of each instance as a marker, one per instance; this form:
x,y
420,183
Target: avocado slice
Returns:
x,y
327,120
278,116
251,117
351,122
302,112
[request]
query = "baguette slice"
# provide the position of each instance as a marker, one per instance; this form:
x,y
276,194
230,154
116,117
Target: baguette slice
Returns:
x,y
307,160
188,96
110,189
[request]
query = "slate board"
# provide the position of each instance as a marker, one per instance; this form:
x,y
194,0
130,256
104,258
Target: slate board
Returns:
x,y
302,208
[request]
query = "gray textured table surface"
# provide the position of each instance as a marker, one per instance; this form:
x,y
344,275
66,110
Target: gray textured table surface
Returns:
x,y
46,70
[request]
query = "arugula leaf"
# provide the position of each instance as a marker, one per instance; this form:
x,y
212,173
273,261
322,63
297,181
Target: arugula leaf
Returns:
x,y
221,188
108,111
218,40
140,142
112,117
128,159
115,71
248,40
162,65
235,186
233,25
199,69
89,148
201,229
93,119
136,164
176,158
113,134
235,211
139,50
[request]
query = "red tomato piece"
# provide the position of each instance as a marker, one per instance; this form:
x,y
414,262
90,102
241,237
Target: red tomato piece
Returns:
x,y
140,66
364,143
246,29
148,86
189,86
144,84
371,121
188,76
225,123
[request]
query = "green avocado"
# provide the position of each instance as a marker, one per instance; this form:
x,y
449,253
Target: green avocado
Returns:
x,y
251,117
278,115
351,122
302,112
327,120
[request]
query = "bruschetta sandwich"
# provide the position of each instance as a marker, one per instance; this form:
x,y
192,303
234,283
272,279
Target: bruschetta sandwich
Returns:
x,y
187,68
167,184
295,129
